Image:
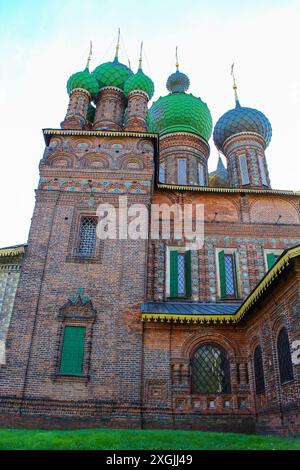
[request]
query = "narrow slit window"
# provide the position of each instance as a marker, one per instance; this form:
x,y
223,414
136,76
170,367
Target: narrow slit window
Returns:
x,y
201,178
244,169
182,179
162,173
262,171
284,357
259,371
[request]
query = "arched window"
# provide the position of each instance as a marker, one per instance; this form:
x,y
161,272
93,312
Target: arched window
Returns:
x,y
210,370
259,371
284,357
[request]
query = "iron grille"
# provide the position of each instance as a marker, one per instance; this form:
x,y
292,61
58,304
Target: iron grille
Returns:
x,y
259,371
229,275
210,370
181,274
87,236
284,357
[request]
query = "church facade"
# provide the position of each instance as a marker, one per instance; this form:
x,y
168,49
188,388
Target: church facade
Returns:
x,y
150,332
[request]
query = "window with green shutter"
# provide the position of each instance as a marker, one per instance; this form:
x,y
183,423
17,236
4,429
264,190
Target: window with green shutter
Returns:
x,y
72,350
180,274
271,260
228,275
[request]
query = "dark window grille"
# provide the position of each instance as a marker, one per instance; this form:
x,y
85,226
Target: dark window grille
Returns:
x,y
230,275
87,236
181,274
210,370
259,371
284,357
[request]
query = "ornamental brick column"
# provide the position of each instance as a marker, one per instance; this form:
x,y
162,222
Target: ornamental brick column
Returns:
x,y
137,111
190,147
77,109
246,161
110,108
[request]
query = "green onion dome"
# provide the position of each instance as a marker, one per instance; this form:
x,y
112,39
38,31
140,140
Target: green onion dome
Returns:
x,y
141,82
179,111
112,74
83,80
90,113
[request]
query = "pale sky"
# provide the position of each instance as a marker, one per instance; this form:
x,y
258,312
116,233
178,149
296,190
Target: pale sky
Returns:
x,y
43,42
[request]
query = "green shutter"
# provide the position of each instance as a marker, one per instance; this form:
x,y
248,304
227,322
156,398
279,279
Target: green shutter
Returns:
x,y
235,268
222,273
188,274
72,350
173,273
271,260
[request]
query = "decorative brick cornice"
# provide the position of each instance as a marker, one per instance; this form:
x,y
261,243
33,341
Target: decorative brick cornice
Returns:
x,y
139,92
81,90
281,192
243,134
12,251
63,132
187,134
111,88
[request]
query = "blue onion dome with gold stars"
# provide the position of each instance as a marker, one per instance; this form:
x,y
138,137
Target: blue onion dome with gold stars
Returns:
x,y
180,111
140,81
85,81
219,178
241,119
112,74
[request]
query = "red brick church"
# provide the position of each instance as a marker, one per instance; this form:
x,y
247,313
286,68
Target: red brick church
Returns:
x,y
150,333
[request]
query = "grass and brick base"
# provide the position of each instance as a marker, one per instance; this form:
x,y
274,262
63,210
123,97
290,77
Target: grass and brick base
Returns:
x,y
123,439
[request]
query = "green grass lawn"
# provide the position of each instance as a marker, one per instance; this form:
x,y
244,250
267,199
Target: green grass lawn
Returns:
x,y
124,439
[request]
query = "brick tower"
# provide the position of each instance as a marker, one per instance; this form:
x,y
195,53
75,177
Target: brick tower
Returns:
x,y
242,135
184,148
75,297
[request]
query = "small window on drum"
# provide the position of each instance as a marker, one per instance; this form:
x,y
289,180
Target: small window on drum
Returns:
x,y
210,370
162,173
